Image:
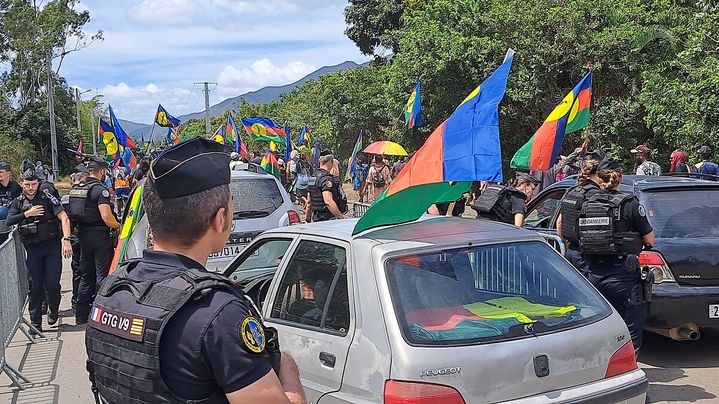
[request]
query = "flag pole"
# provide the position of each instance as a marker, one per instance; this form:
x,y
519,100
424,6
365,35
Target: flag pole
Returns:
x,y
152,131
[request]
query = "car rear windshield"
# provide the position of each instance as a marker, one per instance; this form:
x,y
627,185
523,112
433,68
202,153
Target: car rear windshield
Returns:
x,y
489,293
253,198
683,213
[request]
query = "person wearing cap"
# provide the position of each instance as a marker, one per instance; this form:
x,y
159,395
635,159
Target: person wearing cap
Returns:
x,y
504,203
192,335
92,214
644,165
611,247
328,200
80,174
44,229
706,166
9,190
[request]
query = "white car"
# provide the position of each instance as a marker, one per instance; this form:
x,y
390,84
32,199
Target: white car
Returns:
x,y
440,310
259,203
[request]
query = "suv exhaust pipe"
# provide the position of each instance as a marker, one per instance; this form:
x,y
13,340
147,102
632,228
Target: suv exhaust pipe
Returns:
x,y
682,333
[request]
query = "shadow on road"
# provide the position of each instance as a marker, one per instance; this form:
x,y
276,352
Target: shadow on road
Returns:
x,y
685,393
663,352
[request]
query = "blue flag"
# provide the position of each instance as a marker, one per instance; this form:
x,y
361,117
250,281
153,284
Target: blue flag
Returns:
x,y
122,138
288,143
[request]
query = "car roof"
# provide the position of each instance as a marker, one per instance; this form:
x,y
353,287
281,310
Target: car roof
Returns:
x,y
632,183
428,229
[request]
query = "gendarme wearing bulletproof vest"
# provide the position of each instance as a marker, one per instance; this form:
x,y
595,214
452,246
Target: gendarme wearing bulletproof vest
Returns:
x,y
321,209
163,329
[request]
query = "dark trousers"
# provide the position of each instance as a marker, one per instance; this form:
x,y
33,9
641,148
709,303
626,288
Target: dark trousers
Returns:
x,y
95,260
618,286
44,266
75,265
574,256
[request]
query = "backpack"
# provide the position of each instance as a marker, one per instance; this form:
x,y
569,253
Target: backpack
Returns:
x,y
378,179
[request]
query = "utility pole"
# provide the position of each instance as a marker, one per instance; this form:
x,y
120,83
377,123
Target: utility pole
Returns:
x,y
207,107
77,105
51,109
94,132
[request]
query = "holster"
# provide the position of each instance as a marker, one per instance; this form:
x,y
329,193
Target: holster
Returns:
x,y
272,347
647,284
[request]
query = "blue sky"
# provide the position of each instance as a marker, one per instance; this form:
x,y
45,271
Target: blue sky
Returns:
x,y
154,50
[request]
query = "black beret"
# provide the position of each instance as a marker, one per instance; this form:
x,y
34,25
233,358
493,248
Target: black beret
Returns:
x,y
609,163
526,177
80,168
94,162
190,167
4,166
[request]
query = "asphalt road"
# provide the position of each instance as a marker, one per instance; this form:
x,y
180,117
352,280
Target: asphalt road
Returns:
x,y
678,371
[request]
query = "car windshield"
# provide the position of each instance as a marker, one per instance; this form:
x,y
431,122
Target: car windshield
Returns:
x,y
489,293
683,213
252,198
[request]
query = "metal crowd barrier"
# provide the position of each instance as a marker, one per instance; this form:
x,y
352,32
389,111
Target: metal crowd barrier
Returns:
x,y
13,298
359,208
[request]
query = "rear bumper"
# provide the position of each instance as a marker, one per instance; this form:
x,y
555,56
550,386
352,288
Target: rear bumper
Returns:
x,y
674,305
626,388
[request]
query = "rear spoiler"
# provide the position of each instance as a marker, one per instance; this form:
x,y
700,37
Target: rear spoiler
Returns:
x,y
698,176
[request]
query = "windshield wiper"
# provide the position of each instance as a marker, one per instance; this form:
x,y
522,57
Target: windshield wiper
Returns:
x,y
249,214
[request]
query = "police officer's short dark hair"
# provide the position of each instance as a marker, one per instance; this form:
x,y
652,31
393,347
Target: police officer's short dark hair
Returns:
x,y
184,219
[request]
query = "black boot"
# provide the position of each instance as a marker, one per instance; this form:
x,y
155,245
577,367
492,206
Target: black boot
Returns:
x,y
52,317
37,325
43,308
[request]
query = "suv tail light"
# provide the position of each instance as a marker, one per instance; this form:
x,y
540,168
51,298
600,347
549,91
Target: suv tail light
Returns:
x,y
293,216
623,361
656,263
399,392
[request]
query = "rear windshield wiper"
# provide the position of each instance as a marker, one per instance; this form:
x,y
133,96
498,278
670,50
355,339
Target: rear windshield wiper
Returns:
x,y
249,214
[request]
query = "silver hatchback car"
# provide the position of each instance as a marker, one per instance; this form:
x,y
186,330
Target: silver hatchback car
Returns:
x,y
441,310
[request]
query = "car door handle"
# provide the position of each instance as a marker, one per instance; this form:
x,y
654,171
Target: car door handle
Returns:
x,y
327,359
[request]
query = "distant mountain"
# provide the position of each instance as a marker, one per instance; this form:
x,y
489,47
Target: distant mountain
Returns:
x,y
263,95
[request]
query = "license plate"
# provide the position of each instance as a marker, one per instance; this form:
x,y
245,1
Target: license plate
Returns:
x,y
228,251
714,311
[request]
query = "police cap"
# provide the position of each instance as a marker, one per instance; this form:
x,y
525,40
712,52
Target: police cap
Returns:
x,y
528,178
4,166
95,162
183,169
609,163
81,168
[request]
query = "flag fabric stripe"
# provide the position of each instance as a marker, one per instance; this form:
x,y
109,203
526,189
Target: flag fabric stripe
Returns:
x,y
122,138
305,136
263,129
571,115
270,164
412,111
464,148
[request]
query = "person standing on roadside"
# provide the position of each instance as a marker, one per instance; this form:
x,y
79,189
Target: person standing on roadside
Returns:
x,y
504,203
9,190
378,177
642,153
678,162
706,166
44,229
193,336
91,212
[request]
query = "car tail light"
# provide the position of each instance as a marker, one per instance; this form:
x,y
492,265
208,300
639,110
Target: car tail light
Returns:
x,y
656,263
623,361
399,392
293,216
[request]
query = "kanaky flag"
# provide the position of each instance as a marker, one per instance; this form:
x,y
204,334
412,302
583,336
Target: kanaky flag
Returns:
x,y
234,135
129,159
352,163
413,110
219,135
122,138
263,129
164,119
106,133
270,164
571,115
464,148
305,136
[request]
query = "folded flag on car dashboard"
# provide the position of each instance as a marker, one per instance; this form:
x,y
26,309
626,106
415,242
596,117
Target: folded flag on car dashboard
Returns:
x,y
571,115
464,148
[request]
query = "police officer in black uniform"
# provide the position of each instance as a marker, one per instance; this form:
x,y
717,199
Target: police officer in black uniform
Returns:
x,y
571,207
92,215
613,228
165,330
42,223
9,190
504,203
328,198
80,174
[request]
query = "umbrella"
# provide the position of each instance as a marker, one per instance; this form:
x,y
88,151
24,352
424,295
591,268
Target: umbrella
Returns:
x,y
385,147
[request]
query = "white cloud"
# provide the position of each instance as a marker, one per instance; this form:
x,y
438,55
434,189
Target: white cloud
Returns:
x,y
163,11
152,88
260,74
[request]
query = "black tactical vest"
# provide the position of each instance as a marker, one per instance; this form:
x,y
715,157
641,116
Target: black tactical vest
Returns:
x,y
38,229
83,210
125,330
598,227
572,207
318,202
495,203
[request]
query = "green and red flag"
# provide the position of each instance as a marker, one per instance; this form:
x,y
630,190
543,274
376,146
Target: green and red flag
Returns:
x,y
464,148
270,164
263,129
571,115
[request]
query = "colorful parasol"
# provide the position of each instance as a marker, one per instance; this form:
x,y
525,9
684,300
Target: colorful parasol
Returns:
x,y
385,147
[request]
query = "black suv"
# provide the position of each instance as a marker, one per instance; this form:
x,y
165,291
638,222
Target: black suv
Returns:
x,y
684,213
